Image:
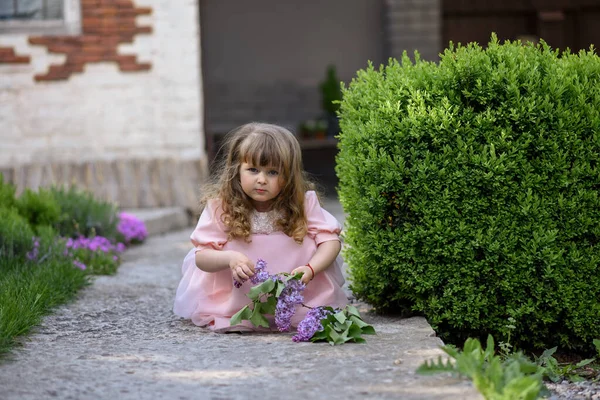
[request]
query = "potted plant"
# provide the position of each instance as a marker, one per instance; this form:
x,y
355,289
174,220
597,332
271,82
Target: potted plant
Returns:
x,y
331,95
313,129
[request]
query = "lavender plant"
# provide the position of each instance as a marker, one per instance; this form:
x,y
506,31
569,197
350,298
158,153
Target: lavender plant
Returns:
x,y
280,295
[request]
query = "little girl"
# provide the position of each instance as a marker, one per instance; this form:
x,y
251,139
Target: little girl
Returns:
x,y
260,208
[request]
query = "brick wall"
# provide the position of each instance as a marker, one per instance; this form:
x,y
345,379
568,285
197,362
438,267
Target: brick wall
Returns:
x,y
110,111
105,24
413,25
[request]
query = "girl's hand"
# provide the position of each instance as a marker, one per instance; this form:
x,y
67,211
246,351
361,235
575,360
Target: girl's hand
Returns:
x,y
307,274
241,267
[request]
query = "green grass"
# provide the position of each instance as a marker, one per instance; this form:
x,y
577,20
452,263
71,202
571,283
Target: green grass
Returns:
x,y
29,291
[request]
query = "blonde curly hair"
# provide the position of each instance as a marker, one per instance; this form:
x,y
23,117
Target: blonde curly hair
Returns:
x,y
261,144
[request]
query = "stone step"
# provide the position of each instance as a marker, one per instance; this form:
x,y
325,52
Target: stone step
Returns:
x,y
159,221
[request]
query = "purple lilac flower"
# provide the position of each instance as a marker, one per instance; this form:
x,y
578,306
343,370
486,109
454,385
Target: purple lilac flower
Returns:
x,y
260,272
310,324
289,298
35,251
132,228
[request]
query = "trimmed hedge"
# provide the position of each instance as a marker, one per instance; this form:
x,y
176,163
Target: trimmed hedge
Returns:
x,y
471,188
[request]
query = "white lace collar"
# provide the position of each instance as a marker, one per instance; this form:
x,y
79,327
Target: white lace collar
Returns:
x,y
264,222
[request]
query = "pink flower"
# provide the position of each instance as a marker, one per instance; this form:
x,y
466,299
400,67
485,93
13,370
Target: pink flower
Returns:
x,y
132,228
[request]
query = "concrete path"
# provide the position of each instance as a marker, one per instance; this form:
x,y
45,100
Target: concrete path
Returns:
x,y
120,340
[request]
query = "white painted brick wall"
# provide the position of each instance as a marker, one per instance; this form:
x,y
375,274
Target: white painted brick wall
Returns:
x,y
105,114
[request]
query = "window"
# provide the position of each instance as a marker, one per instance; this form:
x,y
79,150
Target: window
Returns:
x,y
47,17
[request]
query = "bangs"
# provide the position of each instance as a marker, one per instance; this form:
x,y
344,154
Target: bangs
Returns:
x,y
262,151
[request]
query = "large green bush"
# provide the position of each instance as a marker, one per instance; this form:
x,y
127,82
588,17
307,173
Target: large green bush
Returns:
x,y
471,188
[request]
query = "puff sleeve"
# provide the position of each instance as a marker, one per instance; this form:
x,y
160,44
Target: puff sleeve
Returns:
x,y
322,226
210,231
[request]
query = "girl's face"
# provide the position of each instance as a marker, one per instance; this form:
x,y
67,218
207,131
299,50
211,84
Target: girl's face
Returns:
x,y
261,184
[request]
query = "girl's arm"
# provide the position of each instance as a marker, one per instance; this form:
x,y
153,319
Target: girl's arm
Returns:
x,y
323,257
210,260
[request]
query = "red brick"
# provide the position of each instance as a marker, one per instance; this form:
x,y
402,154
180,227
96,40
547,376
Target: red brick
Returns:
x,y
123,3
39,40
135,67
143,29
143,10
7,52
15,60
90,22
74,67
125,59
62,48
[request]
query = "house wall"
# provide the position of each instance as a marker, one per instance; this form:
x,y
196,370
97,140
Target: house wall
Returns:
x,y
264,59
414,25
116,109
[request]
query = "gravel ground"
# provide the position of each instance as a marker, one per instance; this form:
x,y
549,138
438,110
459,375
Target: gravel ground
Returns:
x,y
121,340
574,391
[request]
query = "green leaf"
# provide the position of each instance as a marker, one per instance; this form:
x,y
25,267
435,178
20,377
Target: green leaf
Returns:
x,y
257,318
489,350
583,363
263,288
368,330
548,353
341,327
268,307
526,388
352,311
297,276
241,315
358,321
280,287
340,316
433,367
451,350
344,336
332,336
319,335
575,378
354,331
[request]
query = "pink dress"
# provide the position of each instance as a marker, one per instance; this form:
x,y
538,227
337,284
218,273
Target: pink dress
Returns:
x,y
210,299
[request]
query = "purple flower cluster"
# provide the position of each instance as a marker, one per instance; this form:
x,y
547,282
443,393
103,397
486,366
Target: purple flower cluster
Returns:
x,y
289,298
132,229
96,243
310,324
260,274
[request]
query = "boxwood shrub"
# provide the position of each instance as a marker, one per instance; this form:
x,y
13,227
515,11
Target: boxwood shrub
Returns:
x,y
471,188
